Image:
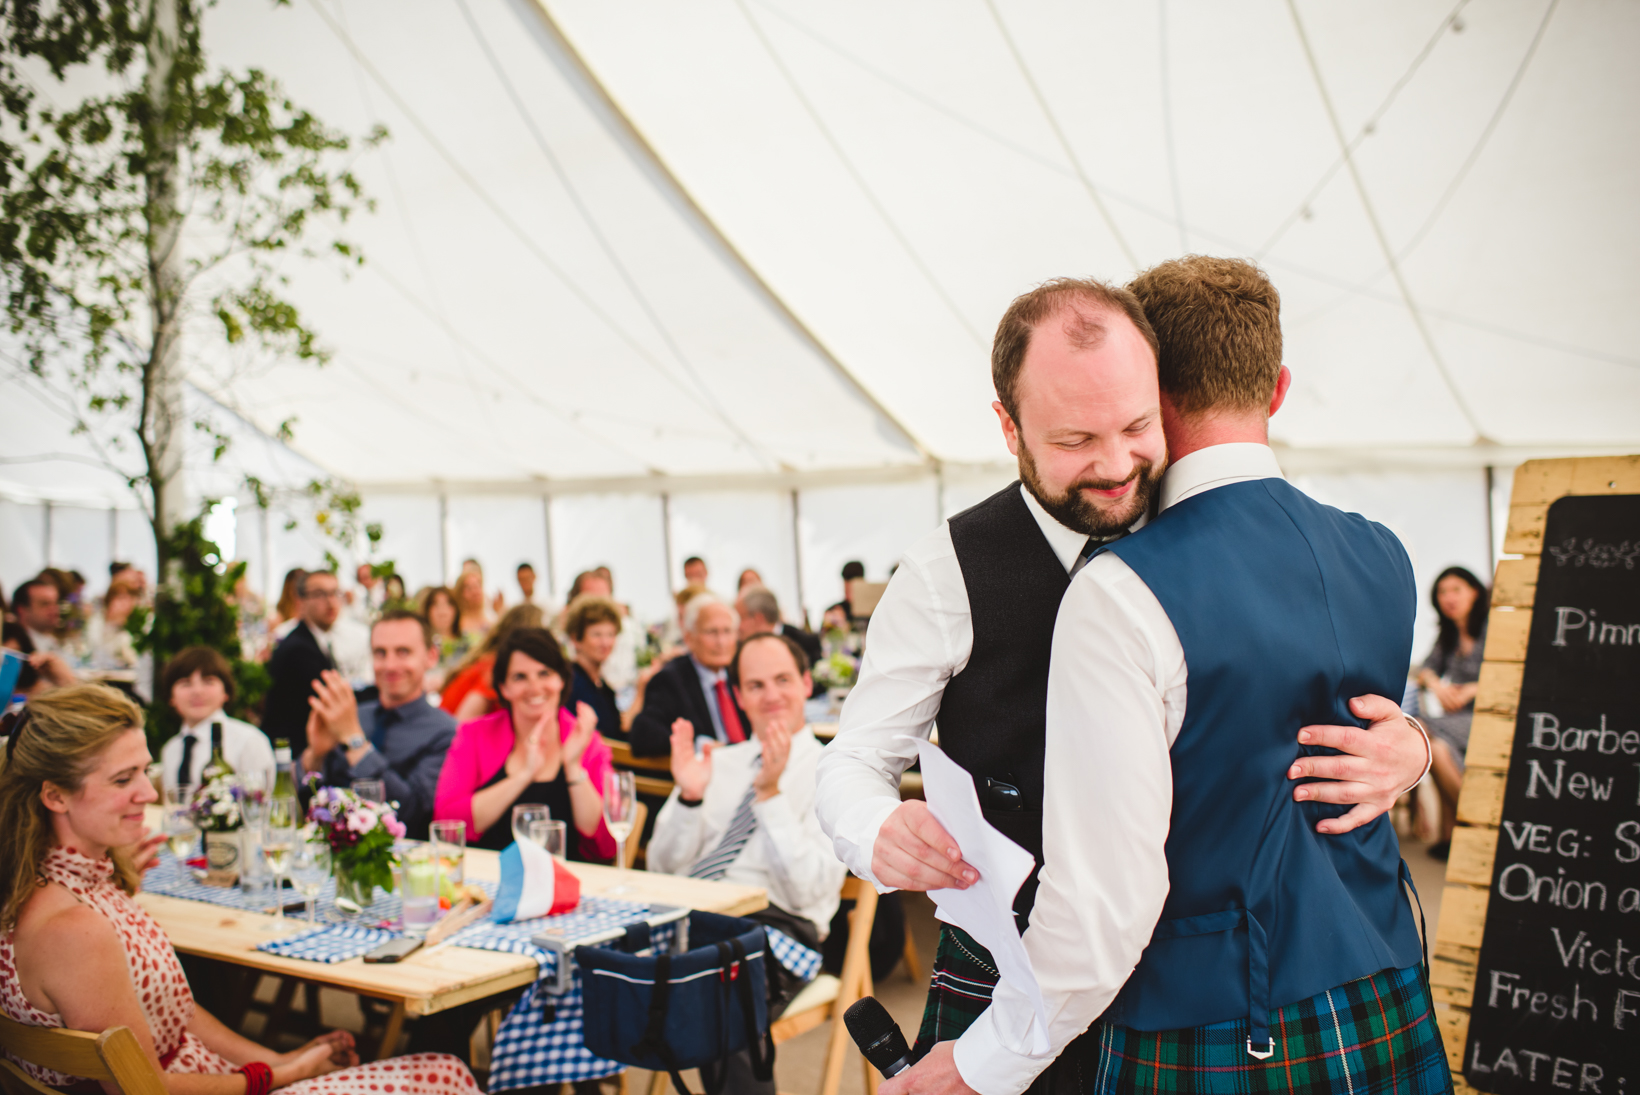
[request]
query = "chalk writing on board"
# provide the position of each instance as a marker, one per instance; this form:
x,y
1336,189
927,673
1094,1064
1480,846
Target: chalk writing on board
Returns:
x,y
1557,988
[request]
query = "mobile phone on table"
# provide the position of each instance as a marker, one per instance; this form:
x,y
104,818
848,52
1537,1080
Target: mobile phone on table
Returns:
x,y
394,950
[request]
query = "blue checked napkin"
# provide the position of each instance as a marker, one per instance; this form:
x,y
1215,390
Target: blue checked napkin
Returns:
x,y
331,943
803,963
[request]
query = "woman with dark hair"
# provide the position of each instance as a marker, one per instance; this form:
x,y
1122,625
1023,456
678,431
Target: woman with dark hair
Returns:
x,y
1450,674
467,693
76,949
531,751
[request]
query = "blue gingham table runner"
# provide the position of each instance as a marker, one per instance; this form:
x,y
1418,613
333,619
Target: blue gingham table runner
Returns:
x,y
542,1039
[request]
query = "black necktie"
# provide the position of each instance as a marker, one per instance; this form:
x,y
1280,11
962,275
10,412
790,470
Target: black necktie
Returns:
x,y
185,771
1091,548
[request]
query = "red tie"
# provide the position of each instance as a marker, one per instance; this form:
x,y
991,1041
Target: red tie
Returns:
x,y
731,717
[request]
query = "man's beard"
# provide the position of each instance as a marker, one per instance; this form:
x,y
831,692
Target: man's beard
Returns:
x,y
1073,510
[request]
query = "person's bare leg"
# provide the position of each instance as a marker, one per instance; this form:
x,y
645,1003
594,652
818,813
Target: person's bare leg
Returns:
x,y
1448,781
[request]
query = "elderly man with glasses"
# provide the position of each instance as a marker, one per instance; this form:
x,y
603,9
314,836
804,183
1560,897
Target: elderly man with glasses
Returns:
x,y
301,658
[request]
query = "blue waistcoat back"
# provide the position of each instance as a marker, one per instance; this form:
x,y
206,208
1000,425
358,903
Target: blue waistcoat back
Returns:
x,y
1286,609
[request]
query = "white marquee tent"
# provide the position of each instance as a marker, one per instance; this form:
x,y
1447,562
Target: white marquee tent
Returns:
x,y
653,279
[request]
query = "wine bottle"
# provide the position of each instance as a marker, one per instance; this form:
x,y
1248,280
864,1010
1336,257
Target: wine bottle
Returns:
x,y
218,766
284,783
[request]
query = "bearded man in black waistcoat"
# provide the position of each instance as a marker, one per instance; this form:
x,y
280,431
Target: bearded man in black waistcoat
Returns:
x,y
964,631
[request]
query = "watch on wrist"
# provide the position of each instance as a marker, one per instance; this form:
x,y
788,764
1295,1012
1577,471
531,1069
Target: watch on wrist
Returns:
x,y
357,741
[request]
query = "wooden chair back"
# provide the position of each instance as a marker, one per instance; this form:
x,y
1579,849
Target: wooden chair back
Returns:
x,y
114,1056
852,983
653,774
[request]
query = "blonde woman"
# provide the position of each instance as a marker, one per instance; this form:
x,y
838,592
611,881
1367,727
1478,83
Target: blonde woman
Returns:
x,y
74,946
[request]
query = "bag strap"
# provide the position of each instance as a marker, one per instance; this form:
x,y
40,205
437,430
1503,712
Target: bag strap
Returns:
x,y
654,1035
762,1069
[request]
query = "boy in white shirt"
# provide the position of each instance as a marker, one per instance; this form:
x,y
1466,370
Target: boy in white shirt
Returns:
x,y
198,684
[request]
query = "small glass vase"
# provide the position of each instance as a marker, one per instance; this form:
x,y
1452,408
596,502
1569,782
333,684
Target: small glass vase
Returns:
x,y
224,854
353,895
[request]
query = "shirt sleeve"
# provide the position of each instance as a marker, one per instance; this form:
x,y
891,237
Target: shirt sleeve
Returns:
x,y
803,871
680,836
921,635
1116,692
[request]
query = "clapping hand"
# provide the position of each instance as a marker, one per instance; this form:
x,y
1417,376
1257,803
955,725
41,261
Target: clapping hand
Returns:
x,y
690,771
777,747
586,728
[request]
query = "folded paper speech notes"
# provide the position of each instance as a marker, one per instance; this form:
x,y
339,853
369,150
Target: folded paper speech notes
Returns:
x,y
984,910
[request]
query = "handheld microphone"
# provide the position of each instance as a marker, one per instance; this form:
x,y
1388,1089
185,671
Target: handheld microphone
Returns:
x,y
878,1036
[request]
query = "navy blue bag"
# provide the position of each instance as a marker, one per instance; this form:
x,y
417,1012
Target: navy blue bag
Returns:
x,y
669,1012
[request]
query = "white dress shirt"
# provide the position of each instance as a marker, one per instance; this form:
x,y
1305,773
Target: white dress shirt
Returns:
x,y
246,748
787,855
922,634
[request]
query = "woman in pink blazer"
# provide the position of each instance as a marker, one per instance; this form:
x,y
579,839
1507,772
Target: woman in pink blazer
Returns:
x,y
530,751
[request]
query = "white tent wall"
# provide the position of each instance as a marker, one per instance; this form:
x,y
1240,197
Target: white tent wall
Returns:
x,y
622,532
22,542
411,537
500,533
733,530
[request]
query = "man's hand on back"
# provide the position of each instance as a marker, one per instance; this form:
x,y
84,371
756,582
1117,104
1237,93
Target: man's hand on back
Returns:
x,y
914,852
1376,765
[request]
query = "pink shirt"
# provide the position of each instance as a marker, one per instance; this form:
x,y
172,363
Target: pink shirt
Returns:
x,y
479,752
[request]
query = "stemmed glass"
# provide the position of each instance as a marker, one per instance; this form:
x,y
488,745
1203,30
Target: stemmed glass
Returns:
x,y
181,833
620,810
277,849
309,868
524,816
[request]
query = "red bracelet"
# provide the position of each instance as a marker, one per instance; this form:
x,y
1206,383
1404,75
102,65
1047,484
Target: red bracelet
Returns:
x,y
258,1077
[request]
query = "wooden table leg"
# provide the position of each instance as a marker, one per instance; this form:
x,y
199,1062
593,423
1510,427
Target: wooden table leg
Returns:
x,y
394,1028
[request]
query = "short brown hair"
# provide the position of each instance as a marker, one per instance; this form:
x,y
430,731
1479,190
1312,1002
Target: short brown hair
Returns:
x,y
798,656
586,611
195,659
1023,316
1219,321
391,615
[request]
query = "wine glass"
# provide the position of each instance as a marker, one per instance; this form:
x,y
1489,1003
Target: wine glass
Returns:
x,y
620,810
283,817
181,833
309,868
369,790
524,816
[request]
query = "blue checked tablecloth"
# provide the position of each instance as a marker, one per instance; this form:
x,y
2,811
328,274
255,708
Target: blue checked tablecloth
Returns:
x,y
330,943
174,879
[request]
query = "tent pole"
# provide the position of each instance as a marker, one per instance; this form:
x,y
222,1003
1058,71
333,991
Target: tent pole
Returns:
x,y
443,539
546,522
270,595
45,535
113,534
797,558
666,537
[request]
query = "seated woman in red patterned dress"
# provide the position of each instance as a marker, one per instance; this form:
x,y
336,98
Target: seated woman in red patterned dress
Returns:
x,y
76,951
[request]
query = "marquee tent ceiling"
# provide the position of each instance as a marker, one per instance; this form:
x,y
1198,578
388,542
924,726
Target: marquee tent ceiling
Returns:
x,y
763,241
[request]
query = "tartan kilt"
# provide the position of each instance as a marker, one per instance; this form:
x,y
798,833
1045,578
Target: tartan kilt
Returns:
x,y
1380,1030
1370,1036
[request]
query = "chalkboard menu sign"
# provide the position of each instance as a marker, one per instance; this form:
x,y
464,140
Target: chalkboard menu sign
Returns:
x,y
1557,988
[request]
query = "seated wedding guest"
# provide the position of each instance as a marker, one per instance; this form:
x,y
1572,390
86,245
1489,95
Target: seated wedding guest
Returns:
x,y
364,601
694,571
748,578
760,615
393,594
73,941
308,650
438,607
287,610
467,693
42,671
594,624
1450,672
851,570
475,614
398,738
111,646
621,667
745,813
526,583
37,605
198,683
696,686
532,751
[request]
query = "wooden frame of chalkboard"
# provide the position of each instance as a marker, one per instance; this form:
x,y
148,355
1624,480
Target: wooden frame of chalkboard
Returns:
x,y
1493,768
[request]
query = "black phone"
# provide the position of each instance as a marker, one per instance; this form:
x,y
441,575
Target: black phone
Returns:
x,y
394,950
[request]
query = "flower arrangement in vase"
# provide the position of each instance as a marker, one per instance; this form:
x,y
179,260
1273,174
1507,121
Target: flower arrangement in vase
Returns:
x,y
360,835
218,809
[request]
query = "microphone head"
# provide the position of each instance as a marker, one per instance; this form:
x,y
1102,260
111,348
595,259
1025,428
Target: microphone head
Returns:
x,y
877,1034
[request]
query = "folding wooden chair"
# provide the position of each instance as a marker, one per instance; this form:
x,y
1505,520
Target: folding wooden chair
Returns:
x,y
113,1056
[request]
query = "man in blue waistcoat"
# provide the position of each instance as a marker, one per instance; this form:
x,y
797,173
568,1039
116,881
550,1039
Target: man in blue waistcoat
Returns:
x,y
1185,896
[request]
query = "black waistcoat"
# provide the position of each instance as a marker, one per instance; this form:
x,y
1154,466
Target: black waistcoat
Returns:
x,y
993,717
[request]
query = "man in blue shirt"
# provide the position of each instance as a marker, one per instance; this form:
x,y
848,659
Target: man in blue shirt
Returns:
x,y
399,738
